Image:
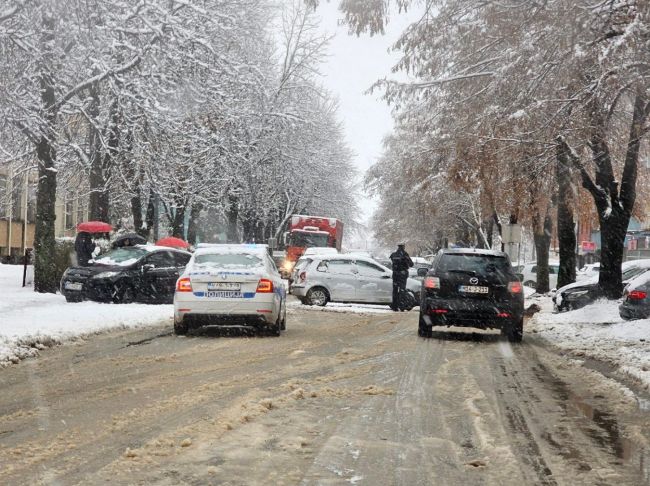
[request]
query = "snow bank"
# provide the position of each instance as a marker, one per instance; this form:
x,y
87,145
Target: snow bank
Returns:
x,y
293,303
597,331
30,321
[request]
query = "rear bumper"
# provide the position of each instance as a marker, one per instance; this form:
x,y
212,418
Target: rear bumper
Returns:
x,y
464,313
259,310
630,312
298,290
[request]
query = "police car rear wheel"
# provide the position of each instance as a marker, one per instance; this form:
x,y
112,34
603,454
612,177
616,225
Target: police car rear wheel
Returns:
x,y
180,328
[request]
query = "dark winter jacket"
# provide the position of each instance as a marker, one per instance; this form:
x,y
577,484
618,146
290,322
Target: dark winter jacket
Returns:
x,y
84,248
401,261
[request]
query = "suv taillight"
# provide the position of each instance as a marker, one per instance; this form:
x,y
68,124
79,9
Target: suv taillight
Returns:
x,y
184,285
637,295
432,283
265,286
515,287
302,276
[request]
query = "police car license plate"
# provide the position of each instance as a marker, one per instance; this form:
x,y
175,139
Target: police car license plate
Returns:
x,y
473,289
224,286
224,294
73,286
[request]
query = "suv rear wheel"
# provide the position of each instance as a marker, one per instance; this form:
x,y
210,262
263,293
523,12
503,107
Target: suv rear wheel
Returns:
x,y
514,331
317,296
423,329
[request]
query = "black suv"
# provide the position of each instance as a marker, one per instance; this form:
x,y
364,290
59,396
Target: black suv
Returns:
x,y
472,288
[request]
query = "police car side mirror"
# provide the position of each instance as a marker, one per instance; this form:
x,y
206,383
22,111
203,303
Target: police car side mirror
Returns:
x,y
422,272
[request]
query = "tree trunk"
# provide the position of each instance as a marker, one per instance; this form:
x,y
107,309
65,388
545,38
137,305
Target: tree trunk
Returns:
x,y
565,223
191,225
97,201
45,277
178,221
150,216
610,280
232,217
542,231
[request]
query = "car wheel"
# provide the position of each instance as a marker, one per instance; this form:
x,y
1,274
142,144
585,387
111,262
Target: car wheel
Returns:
x,y
515,331
283,324
180,328
124,293
423,329
317,296
276,329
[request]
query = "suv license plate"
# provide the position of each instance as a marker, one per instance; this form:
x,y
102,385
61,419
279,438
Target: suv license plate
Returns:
x,y
224,286
73,286
473,289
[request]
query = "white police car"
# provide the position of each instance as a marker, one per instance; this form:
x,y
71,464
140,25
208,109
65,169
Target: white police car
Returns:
x,y
230,285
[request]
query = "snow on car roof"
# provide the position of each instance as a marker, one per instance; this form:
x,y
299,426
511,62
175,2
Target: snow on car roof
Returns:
x,y
319,250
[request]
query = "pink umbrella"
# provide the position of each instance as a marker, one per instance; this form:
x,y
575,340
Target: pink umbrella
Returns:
x,y
94,227
173,242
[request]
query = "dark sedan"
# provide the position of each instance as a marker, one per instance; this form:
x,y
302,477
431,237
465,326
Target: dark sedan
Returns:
x,y
141,273
636,304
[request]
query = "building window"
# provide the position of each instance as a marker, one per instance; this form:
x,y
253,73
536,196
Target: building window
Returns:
x,y
69,213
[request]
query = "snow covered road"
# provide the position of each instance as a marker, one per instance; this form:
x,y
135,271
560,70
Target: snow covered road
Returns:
x,y
340,398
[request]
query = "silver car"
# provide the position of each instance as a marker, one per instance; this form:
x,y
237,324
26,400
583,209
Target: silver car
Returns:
x,y
347,278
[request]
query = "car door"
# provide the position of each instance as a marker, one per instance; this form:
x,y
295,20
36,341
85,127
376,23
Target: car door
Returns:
x,y
341,276
374,284
159,275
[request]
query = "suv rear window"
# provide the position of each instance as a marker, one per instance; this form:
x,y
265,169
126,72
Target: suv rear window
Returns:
x,y
471,262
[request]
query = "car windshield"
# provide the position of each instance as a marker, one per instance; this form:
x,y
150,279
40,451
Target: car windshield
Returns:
x,y
121,256
472,263
308,240
228,260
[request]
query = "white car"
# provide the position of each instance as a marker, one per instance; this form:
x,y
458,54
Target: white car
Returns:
x,y
347,278
589,271
230,285
528,274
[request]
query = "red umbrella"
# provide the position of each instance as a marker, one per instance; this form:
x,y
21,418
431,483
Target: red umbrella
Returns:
x,y
173,242
94,227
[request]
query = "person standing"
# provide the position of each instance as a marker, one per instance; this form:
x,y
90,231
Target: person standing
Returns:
x,y
84,248
401,264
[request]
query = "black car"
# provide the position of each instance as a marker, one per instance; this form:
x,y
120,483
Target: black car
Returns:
x,y
128,274
636,304
472,288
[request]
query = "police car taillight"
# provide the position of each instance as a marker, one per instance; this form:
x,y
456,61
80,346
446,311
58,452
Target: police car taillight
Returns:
x,y
265,286
302,276
184,285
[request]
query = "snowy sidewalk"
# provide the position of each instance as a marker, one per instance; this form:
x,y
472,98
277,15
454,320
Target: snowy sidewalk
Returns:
x,y
30,321
597,331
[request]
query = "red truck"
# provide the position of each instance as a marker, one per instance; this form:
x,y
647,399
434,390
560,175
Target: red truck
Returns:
x,y
308,232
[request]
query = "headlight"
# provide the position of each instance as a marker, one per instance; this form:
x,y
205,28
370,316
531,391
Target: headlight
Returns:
x,y
107,275
287,267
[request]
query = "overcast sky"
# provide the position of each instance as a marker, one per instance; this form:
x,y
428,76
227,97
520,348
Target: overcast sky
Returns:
x,y
354,64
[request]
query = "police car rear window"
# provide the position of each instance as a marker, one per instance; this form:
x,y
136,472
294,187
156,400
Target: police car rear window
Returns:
x,y
228,260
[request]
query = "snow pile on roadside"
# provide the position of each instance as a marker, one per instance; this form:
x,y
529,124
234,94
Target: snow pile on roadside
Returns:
x,y
597,331
339,307
30,321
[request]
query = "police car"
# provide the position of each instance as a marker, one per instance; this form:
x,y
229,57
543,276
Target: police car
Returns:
x,y
230,285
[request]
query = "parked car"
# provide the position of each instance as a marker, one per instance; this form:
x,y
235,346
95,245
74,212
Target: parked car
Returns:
x,y
419,269
583,292
527,273
347,278
636,304
473,288
141,273
230,285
